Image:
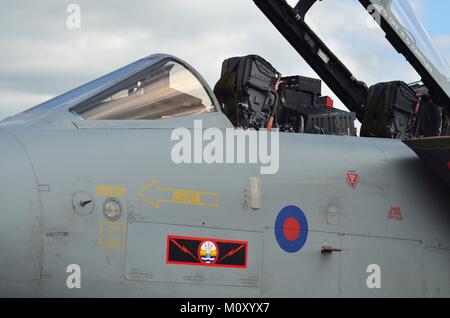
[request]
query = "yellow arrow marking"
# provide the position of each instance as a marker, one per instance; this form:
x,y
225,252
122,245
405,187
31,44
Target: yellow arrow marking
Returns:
x,y
177,196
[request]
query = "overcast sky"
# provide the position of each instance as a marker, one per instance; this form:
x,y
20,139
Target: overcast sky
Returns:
x,y
41,57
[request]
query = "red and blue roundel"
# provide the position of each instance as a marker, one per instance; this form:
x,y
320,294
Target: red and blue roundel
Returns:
x,y
291,229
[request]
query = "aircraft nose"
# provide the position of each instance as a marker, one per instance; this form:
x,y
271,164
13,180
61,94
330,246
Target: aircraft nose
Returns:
x,y
21,239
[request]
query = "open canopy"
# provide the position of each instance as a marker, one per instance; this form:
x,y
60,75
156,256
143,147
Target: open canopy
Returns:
x,y
407,34
403,30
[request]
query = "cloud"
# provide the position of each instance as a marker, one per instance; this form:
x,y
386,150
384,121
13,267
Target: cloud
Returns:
x,y
16,101
44,58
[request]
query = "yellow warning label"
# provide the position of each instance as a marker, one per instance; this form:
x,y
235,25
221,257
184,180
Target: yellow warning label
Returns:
x,y
112,235
110,191
155,195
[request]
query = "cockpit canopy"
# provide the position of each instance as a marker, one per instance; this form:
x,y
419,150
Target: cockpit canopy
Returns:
x,y
429,100
154,88
166,90
400,17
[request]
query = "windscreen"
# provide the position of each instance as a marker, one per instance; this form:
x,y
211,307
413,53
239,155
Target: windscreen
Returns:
x,y
166,91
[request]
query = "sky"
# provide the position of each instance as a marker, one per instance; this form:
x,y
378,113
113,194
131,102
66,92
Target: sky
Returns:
x,y
435,17
41,57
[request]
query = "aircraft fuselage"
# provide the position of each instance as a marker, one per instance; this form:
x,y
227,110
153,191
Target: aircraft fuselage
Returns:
x,y
371,200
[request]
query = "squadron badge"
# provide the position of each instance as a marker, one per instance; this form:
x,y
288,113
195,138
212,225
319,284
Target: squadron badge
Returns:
x,y
206,252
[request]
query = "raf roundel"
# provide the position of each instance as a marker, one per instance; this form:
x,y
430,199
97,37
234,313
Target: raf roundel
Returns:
x,y
291,229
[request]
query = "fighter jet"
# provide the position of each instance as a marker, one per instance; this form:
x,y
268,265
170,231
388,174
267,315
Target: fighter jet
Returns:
x,y
112,189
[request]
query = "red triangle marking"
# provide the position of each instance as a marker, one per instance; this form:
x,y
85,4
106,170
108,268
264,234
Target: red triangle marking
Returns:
x,y
352,178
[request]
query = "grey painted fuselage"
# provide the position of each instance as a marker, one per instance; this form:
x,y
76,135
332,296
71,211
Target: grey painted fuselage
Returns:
x,y
47,163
